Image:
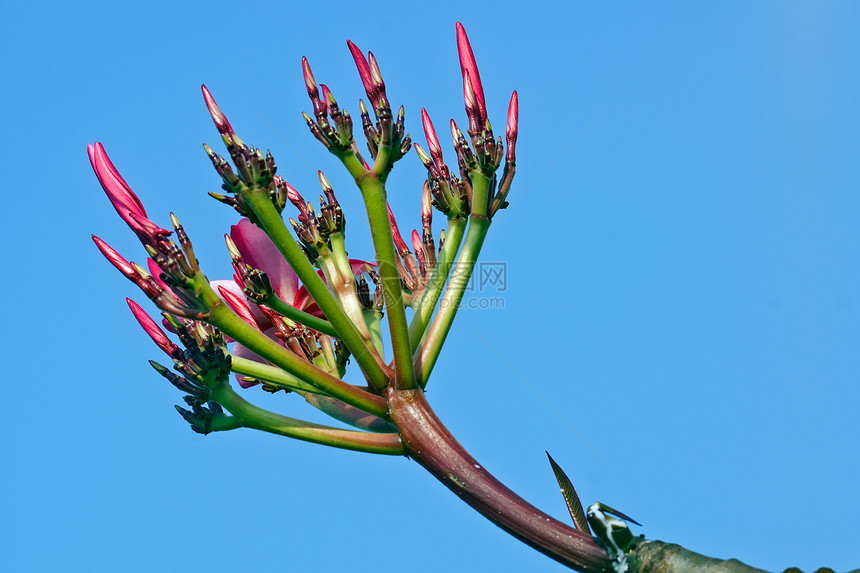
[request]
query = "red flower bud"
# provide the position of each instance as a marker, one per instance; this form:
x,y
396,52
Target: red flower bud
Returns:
x,y
151,328
512,128
468,65
239,306
218,116
364,73
432,140
395,233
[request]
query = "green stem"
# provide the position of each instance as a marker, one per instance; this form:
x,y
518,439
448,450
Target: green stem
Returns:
x,y
429,353
345,287
456,229
373,191
225,319
272,374
373,318
251,416
274,226
296,315
349,415
223,423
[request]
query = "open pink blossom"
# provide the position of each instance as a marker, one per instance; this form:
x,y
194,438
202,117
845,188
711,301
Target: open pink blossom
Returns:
x,y
259,252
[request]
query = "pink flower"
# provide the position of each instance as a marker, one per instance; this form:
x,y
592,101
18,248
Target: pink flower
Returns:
x,y
258,251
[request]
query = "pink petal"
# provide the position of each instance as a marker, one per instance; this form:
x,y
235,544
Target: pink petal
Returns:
x,y
305,302
260,252
360,267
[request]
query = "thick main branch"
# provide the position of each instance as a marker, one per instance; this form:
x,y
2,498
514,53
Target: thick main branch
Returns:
x,y
427,440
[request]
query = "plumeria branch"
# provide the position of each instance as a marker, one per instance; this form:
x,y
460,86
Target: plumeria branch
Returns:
x,y
296,340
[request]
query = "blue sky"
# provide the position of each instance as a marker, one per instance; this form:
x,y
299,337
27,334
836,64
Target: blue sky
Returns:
x,y
681,319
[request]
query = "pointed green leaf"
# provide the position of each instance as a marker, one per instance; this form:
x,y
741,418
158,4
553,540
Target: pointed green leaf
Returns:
x,y
570,498
617,513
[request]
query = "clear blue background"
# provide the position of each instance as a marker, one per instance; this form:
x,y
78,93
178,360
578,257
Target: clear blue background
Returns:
x,y
683,255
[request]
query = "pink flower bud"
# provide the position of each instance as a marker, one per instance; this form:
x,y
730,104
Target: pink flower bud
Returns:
x,y
512,128
295,197
150,230
239,306
395,233
326,96
310,83
119,193
432,140
375,74
472,110
426,206
364,73
456,134
468,64
218,116
418,247
151,328
114,257
156,271
422,155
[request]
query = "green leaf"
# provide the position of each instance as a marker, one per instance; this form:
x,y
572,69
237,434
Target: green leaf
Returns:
x,y
570,498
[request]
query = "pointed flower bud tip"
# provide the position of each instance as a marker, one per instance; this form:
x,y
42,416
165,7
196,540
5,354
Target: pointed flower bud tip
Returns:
x,y
422,155
323,181
294,196
113,257
310,83
363,71
119,193
218,116
238,305
426,201
326,94
512,127
430,134
151,328
395,232
417,245
231,247
375,74
456,134
468,64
